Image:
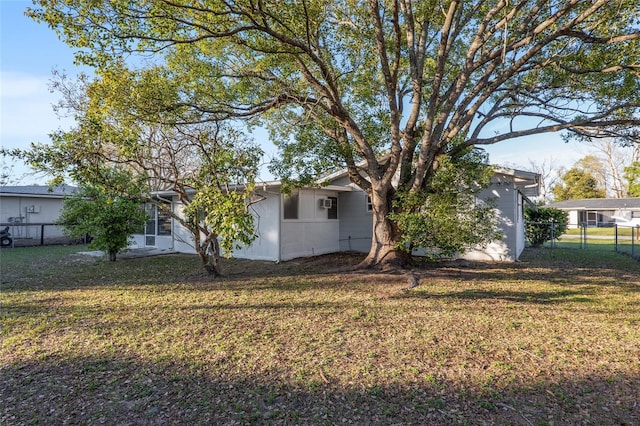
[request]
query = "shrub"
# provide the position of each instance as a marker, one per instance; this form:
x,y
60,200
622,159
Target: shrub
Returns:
x,y
544,224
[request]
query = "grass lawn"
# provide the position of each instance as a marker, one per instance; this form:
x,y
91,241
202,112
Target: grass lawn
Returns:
x,y
601,239
623,231
554,339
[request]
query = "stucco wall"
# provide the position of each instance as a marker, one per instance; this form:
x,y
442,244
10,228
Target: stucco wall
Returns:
x,y
313,233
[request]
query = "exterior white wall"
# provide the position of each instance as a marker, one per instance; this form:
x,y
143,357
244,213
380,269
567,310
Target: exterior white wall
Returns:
x,y
266,216
182,238
278,239
302,238
163,242
312,233
573,219
521,242
45,210
508,204
356,224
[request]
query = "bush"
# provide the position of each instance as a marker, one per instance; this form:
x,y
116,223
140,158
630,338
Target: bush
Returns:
x,y
543,224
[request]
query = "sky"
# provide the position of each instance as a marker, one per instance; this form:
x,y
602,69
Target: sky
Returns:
x,y
29,52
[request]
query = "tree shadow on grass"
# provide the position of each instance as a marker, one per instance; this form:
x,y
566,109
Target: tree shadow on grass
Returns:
x,y
564,274
539,297
128,391
327,271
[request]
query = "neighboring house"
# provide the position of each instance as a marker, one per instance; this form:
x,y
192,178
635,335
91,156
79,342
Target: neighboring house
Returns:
x,y
599,212
337,217
30,211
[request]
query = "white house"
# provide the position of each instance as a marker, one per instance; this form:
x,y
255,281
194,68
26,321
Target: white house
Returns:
x,y
599,212
30,211
337,217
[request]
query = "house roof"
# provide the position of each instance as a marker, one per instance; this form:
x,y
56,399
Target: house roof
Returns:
x,y
527,182
598,204
40,191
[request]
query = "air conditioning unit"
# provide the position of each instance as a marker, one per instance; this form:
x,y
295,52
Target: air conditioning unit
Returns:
x,y
33,209
325,203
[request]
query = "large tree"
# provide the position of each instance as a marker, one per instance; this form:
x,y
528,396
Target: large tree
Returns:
x,y
121,121
340,82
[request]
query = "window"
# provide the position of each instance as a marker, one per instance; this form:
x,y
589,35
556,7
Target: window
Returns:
x,y
158,220
369,205
164,219
150,228
332,212
290,205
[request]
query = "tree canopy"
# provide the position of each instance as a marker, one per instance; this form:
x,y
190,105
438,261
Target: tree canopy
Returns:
x,y
576,185
339,83
121,123
108,211
632,175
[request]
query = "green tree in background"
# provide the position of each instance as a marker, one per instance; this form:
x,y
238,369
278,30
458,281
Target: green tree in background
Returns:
x,y
109,212
577,184
385,88
632,175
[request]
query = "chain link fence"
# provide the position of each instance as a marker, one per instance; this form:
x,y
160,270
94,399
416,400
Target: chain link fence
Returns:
x,y
37,234
617,237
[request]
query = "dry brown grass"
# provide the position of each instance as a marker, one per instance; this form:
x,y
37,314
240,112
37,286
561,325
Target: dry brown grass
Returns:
x,y
554,339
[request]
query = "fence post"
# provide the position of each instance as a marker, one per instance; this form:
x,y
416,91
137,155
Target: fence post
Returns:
x,y
615,244
633,243
42,234
553,234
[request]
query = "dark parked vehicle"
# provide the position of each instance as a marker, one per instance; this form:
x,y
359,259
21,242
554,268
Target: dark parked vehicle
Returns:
x,y
5,238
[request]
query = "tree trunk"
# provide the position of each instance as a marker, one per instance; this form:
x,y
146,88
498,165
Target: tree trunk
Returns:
x,y
384,253
210,257
112,255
